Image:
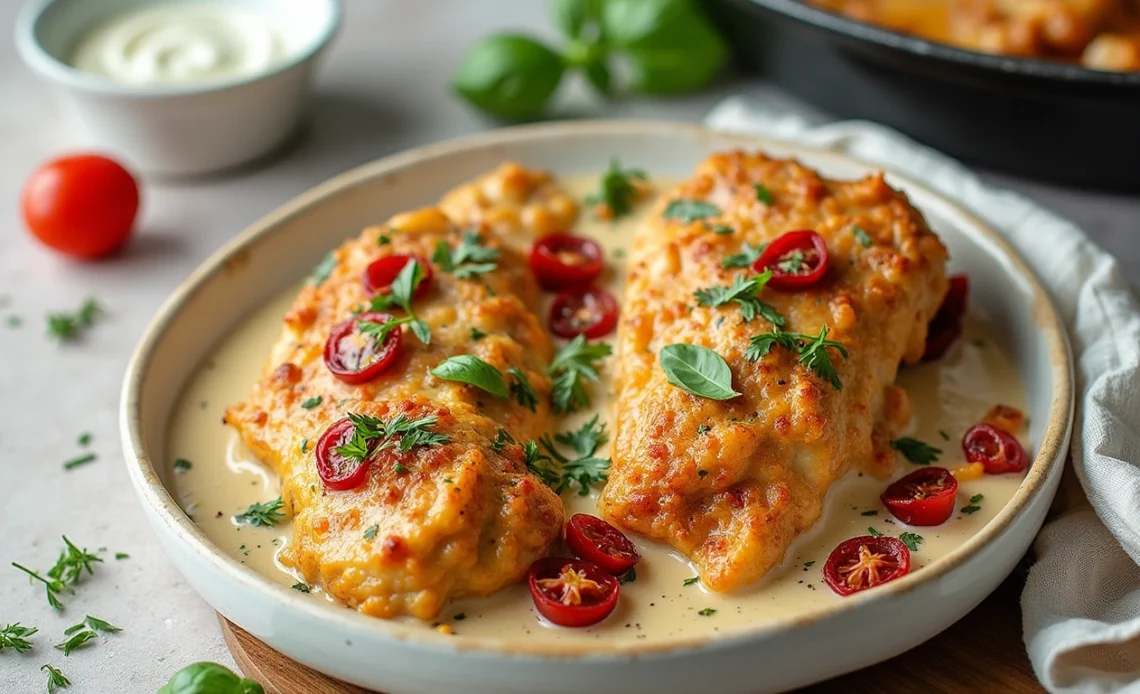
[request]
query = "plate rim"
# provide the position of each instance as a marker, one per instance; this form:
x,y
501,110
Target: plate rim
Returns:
x,y
163,507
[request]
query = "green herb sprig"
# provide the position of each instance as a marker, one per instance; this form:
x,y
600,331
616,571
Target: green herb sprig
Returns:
x,y
67,572
812,350
67,327
267,515
467,260
15,636
616,189
917,452
744,292
575,364
400,293
585,469
371,435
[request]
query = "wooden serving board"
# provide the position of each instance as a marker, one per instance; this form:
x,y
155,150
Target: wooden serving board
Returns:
x,y
982,652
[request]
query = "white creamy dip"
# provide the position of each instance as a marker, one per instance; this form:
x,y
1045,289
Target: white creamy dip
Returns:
x,y
181,43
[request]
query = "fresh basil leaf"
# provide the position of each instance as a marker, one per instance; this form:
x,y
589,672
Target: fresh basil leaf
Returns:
x,y
209,678
670,45
472,370
697,370
598,74
509,75
689,211
571,16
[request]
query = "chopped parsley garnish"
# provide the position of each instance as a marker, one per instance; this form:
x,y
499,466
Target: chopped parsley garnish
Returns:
x,y
521,389
66,573
84,439
862,236
812,350
743,292
313,401
911,540
869,513
15,636
68,326
971,509
793,263
689,211
502,438
691,581
721,229
55,678
628,577
477,334
586,469
467,260
324,268
917,452
762,193
704,429
976,498
616,190
707,612
75,462
304,445
574,364
400,294
748,254
371,532
383,240
469,369
265,515
371,435
538,462
302,587
872,532
400,468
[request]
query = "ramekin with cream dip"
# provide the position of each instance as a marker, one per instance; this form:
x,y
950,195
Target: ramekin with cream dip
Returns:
x,y
180,87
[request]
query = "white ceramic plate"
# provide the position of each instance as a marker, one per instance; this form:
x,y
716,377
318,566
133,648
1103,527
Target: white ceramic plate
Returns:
x,y
400,659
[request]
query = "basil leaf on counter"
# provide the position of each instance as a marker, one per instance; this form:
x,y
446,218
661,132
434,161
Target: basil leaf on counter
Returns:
x,y
209,678
472,370
509,75
697,370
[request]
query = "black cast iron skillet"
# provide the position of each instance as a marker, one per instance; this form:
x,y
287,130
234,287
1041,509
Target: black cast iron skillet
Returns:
x,y
1046,120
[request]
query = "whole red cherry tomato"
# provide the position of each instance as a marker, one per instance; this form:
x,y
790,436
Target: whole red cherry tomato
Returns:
x,y
337,471
996,450
564,260
924,497
946,326
380,274
355,354
598,542
796,259
572,593
588,311
865,562
83,206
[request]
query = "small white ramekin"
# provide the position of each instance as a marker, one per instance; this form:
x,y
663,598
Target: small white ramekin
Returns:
x,y
179,130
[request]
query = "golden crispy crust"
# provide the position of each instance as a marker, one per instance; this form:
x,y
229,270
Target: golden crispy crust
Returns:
x,y
735,496
461,518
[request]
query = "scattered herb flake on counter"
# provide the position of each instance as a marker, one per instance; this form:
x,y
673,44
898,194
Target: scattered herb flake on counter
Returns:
x,y
477,334
762,193
371,532
102,625
473,371
76,641
312,402
585,470
84,439
872,532
689,211
75,462
15,636
616,190
691,581
263,515
575,363
14,321
971,509
911,540
467,260
707,612
917,452
743,292
812,351
862,236
748,254
121,555
68,326
522,391
324,268
55,678
183,465
302,587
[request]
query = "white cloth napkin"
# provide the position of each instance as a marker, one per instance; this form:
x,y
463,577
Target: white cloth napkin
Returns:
x,y
1081,603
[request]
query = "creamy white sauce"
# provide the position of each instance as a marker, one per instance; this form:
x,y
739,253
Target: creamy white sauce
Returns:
x,y
948,397
181,43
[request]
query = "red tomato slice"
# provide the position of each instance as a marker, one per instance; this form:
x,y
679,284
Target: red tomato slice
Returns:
x,y
564,260
796,259
335,470
996,450
588,311
946,326
380,274
598,542
924,497
865,562
83,206
356,357
572,593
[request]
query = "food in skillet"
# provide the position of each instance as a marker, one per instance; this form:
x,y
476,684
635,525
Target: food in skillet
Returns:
x,y
390,404
1099,34
767,312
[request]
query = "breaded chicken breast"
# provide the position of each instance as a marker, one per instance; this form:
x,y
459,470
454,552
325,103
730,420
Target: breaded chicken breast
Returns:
x,y
463,517
731,483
